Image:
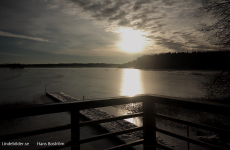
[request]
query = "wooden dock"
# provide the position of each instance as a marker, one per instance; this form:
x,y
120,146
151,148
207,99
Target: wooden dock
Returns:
x,y
61,97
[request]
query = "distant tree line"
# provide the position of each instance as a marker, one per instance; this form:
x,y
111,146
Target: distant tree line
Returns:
x,y
60,65
15,65
215,60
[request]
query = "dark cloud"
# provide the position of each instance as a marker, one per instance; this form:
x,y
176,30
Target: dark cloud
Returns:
x,y
157,26
170,44
204,48
188,38
113,12
101,8
125,13
168,2
139,4
120,15
16,17
139,16
146,18
124,23
183,46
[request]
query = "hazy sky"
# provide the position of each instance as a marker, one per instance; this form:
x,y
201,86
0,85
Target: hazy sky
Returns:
x,y
104,31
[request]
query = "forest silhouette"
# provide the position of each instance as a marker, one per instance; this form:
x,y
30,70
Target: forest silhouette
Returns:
x,y
209,60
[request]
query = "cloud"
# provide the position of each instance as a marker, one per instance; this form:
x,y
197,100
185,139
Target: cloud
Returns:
x,y
89,27
120,15
2,33
11,54
53,6
171,24
139,4
126,13
186,44
204,47
168,2
170,44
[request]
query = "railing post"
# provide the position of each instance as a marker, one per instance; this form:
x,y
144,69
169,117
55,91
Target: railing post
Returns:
x,y
188,136
75,129
149,124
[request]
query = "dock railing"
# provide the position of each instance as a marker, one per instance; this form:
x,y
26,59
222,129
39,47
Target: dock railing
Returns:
x,y
149,115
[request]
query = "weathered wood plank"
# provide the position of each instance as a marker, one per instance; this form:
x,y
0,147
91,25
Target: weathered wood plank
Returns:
x,y
109,135
86,123
197,142
127,145
198,125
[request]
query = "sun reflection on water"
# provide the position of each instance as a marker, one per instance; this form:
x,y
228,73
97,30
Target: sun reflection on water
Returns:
x,y
131,84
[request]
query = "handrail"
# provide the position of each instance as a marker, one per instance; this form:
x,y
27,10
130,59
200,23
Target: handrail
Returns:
x,y
198,125
109,135
149,118
87,123
206,145
66,106
191,104
86,104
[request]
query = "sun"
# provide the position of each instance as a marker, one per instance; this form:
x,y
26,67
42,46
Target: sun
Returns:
x,y
131,40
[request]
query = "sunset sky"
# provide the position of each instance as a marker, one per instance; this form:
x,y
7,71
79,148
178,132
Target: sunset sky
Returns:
x,y
97,31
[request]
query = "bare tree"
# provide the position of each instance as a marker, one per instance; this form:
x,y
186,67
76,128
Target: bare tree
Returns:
x,y
217,29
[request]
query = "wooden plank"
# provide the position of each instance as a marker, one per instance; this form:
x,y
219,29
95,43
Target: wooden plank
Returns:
x,y
86,104
198,125
61,97
197,142
126,145
87,123
149,122
35,132
109,135
191,104
164,147
55,97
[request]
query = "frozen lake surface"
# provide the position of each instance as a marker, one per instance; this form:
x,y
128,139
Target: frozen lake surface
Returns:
x,y
29,83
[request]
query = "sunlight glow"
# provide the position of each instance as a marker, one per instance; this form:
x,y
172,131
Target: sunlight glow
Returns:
x,y
132,40
131,84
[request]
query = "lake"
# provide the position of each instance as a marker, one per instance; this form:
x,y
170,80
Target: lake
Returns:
x,y
29,84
